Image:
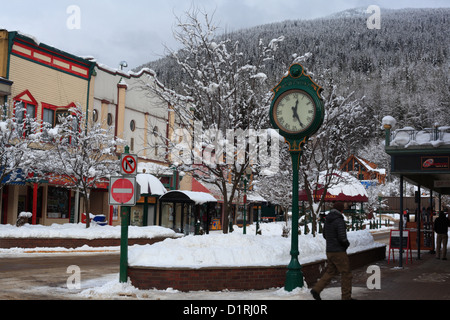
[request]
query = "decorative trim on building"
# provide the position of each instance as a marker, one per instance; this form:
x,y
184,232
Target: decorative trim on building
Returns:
x,y
53,58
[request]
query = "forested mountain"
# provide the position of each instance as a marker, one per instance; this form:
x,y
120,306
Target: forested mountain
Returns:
x,y
402,69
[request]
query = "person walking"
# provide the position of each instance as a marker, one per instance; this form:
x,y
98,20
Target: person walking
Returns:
x,y
335,234
441,225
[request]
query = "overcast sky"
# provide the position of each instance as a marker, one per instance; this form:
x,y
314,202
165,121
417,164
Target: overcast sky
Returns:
x,y
137,30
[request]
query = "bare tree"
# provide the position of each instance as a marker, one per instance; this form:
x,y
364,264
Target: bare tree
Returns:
x,y
334,142
222,91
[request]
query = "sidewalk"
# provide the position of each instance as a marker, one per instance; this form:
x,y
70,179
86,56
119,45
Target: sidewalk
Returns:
x,y
424,279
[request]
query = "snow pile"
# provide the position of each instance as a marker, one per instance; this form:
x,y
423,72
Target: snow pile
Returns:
x,y
79,231
343,183
408,137
25,215
237,250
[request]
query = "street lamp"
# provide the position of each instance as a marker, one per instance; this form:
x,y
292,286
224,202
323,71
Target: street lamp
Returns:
x,y
246,177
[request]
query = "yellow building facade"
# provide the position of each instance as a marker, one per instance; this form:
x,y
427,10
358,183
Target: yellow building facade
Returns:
x,y
47,82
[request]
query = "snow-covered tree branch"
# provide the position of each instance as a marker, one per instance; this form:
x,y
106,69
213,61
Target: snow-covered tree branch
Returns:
x,y
84,156
222,91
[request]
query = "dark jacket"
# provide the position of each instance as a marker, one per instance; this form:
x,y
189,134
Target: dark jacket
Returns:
x,y
441,224
335,232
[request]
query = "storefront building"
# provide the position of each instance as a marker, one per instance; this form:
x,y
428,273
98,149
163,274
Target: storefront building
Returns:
x,y
46,82
144,123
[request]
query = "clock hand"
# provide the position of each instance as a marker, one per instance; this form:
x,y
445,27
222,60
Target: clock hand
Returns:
x,y
295,114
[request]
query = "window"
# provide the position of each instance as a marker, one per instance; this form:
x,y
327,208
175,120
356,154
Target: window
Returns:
x,y
24,111
52,116
132,125
95,115
48,116
109,119
58,203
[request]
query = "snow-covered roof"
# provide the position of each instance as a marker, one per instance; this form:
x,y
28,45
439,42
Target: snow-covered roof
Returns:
x,y
196,197
345,183
255,197
369,167
342,187
150,184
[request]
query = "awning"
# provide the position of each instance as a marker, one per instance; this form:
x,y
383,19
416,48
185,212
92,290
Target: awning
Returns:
x,y
343,187
16,178
254,197
187,197
209,188
150,184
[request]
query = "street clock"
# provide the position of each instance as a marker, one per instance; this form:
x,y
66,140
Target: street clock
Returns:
x,y
297,111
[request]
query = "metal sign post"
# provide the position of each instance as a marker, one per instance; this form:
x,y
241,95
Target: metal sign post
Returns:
x,y
124,191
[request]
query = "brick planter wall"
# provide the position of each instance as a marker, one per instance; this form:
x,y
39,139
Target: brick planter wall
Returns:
x,y
237,278
29,243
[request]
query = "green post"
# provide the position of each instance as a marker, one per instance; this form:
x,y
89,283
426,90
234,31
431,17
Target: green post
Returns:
x,y
125,219
245,205
294,275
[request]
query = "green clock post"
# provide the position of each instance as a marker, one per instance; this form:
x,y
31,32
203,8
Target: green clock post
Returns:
x,y
297,111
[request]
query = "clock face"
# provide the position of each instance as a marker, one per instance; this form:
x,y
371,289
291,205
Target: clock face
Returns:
x,y
294,111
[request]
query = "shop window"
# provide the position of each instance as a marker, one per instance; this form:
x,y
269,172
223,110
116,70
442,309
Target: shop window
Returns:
x,y
58,203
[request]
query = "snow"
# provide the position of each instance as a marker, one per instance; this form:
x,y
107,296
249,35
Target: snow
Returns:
x,y
388,120
197,197
345,183
150,184
408,137
79,231
239,250
25,215
215,249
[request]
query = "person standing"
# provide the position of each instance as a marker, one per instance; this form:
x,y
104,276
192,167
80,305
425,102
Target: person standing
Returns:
x,y
441,225
335,234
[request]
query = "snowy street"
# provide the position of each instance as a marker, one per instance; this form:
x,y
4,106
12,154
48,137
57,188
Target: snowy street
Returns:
x,y
44,277
40,275
43,273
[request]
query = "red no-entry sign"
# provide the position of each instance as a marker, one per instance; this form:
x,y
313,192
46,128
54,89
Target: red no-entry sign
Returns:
x,y
122,191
